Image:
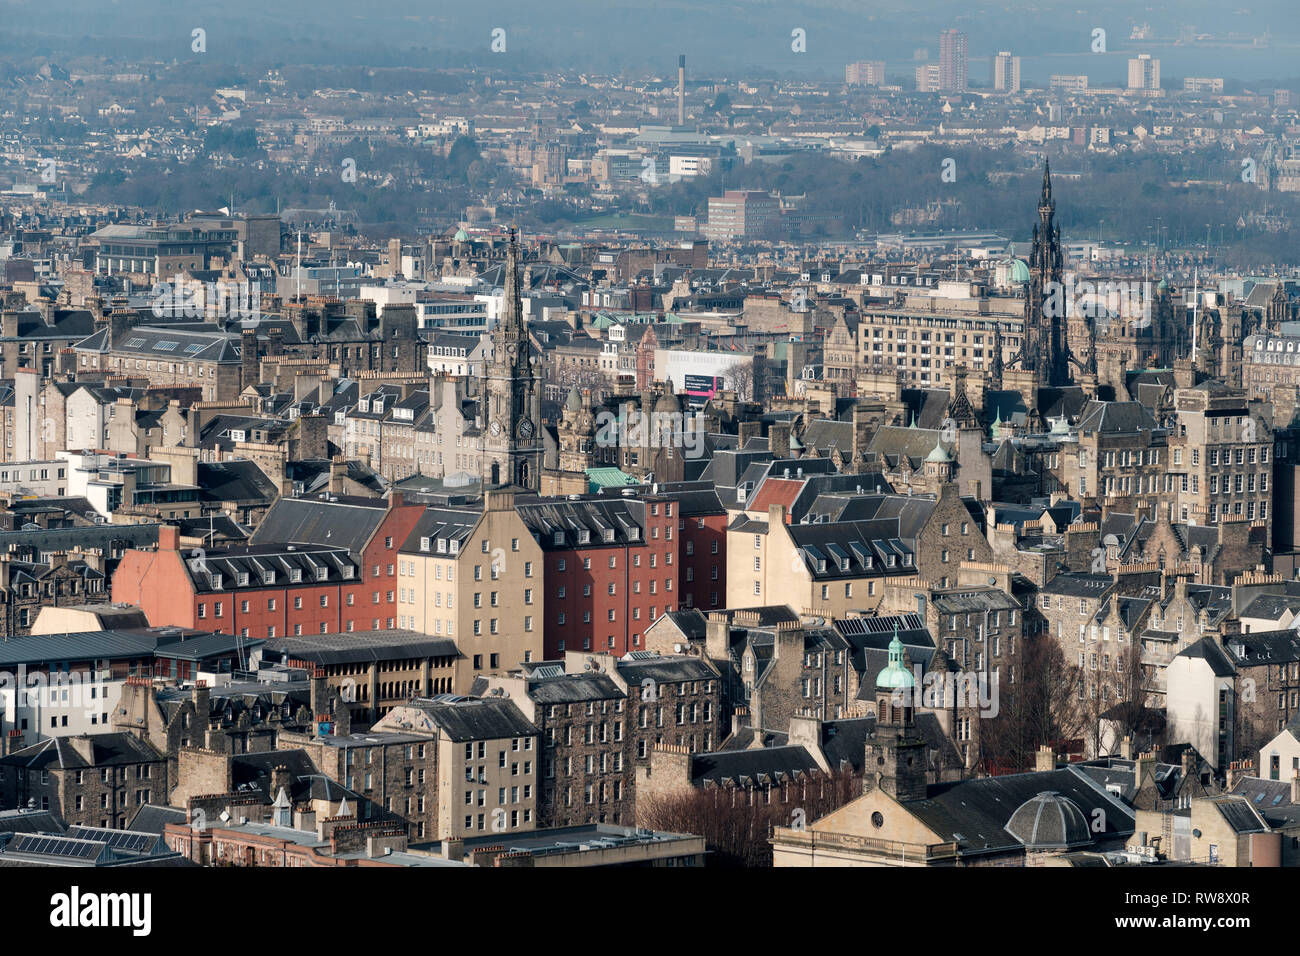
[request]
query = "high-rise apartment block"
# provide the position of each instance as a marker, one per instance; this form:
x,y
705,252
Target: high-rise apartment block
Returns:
x,y
1144,73
927,78
1006,73
952,61
741,213
865,73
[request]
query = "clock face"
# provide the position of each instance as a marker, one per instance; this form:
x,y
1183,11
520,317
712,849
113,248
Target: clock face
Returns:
x,y
495,428
526,428
512,349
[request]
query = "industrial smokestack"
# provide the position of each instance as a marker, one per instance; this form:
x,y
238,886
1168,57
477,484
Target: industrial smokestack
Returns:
x,y
681,90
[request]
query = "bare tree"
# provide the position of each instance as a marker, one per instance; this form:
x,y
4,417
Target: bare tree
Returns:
x,y
1041,707
740,379
737,823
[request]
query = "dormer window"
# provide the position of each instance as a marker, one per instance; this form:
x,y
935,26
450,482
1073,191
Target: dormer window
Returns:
x,y
347,572
214,580
584,537
442,545
364,406
242,577
295,575
455,547
559,537
424,544
268,577
907,560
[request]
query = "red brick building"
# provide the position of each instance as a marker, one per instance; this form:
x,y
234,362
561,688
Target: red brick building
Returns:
x,y
702,559
610,569
314,567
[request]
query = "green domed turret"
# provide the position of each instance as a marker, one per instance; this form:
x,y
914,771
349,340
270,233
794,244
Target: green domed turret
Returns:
x,y
939,455
895,675
1019,271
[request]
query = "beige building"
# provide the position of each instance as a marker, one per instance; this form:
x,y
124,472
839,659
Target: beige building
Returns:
x,y
487,763
1220,456
838,567
932,330
476,577
1215,831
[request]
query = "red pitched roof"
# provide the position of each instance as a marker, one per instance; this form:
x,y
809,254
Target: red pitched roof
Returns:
x,y
777,491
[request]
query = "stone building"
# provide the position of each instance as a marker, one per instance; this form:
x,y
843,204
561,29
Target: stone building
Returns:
x,y
95,781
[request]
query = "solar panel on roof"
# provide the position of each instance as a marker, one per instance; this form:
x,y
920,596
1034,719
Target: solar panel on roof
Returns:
x,y
134,343
117,839
167,346
192,349
47,845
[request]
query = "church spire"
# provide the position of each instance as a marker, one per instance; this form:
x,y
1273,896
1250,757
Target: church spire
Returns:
x,y
514,306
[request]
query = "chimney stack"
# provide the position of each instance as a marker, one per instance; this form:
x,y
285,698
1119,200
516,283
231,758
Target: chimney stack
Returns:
x,y
201,696
1045,759
1143,768
681,90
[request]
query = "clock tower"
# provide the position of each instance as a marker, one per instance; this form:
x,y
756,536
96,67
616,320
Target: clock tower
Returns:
x,y
512,396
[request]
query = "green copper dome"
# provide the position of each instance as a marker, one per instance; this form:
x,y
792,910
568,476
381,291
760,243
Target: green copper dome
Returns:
x,y
938,455
461,236
1019,271
895,675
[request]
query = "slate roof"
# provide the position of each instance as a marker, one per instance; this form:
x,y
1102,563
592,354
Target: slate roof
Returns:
x,y
1262,648
755,767
486,719
1271,607
218,570
110,644
30,821
1271,799
1079,584
1239,814
691,622
974,813
108,750
234,481
192,344
1207,649
361,647
251,774
624,517
346,523
665,669
574,688
1116,417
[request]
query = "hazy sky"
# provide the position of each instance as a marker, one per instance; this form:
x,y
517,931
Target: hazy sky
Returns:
x,y
724,37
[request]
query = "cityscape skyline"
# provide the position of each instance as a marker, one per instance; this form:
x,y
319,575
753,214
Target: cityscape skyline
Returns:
x,y
737,438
